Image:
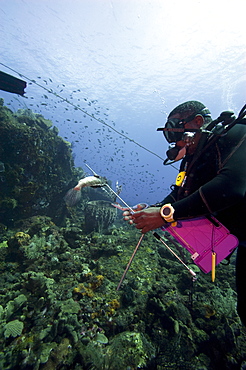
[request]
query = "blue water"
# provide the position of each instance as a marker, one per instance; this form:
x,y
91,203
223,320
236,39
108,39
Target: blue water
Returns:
x,y
128,63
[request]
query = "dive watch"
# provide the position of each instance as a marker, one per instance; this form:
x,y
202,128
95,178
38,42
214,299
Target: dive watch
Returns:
x,y
167,212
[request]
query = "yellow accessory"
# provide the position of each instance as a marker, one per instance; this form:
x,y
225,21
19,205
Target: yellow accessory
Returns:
x,y
180,178
167,212
213,266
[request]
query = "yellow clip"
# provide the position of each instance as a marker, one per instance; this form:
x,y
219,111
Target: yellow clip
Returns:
x,y
213,265
180,178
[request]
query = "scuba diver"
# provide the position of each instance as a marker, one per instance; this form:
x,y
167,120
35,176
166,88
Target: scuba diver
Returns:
x,y
211,181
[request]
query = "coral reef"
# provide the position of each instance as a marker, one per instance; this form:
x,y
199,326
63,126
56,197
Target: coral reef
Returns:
x,y
13,328
59,305
37,166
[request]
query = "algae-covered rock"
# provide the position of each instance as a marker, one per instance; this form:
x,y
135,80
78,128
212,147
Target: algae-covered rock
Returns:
x,y
126,350
1,312
131,349
20,300
69,307
101,338
37,167
45,351
14,305
4,244
40,285
52,355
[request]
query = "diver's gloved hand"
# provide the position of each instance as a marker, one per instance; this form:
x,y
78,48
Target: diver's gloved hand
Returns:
x,y
147,219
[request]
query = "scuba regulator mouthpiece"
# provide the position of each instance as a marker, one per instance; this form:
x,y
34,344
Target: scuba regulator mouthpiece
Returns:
x,y
176,152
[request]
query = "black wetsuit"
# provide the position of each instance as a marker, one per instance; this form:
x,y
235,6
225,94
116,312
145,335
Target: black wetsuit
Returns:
x,y
216,184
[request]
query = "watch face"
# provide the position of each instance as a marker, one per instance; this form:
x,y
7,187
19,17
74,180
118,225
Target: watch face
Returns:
x,y
166,211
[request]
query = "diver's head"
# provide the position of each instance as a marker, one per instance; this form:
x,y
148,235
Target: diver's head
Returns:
x,y
183,128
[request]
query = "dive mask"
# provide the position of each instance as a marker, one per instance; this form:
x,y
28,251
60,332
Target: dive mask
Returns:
x,y
174,128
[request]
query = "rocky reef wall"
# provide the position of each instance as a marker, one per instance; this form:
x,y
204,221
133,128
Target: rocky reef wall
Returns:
x,y
36,166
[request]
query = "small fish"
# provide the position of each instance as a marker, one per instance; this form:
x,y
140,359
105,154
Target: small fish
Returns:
x,y
92,181
73,195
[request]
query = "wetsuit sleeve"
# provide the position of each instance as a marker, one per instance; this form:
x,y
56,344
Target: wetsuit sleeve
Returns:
x,y
224,190
170,198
